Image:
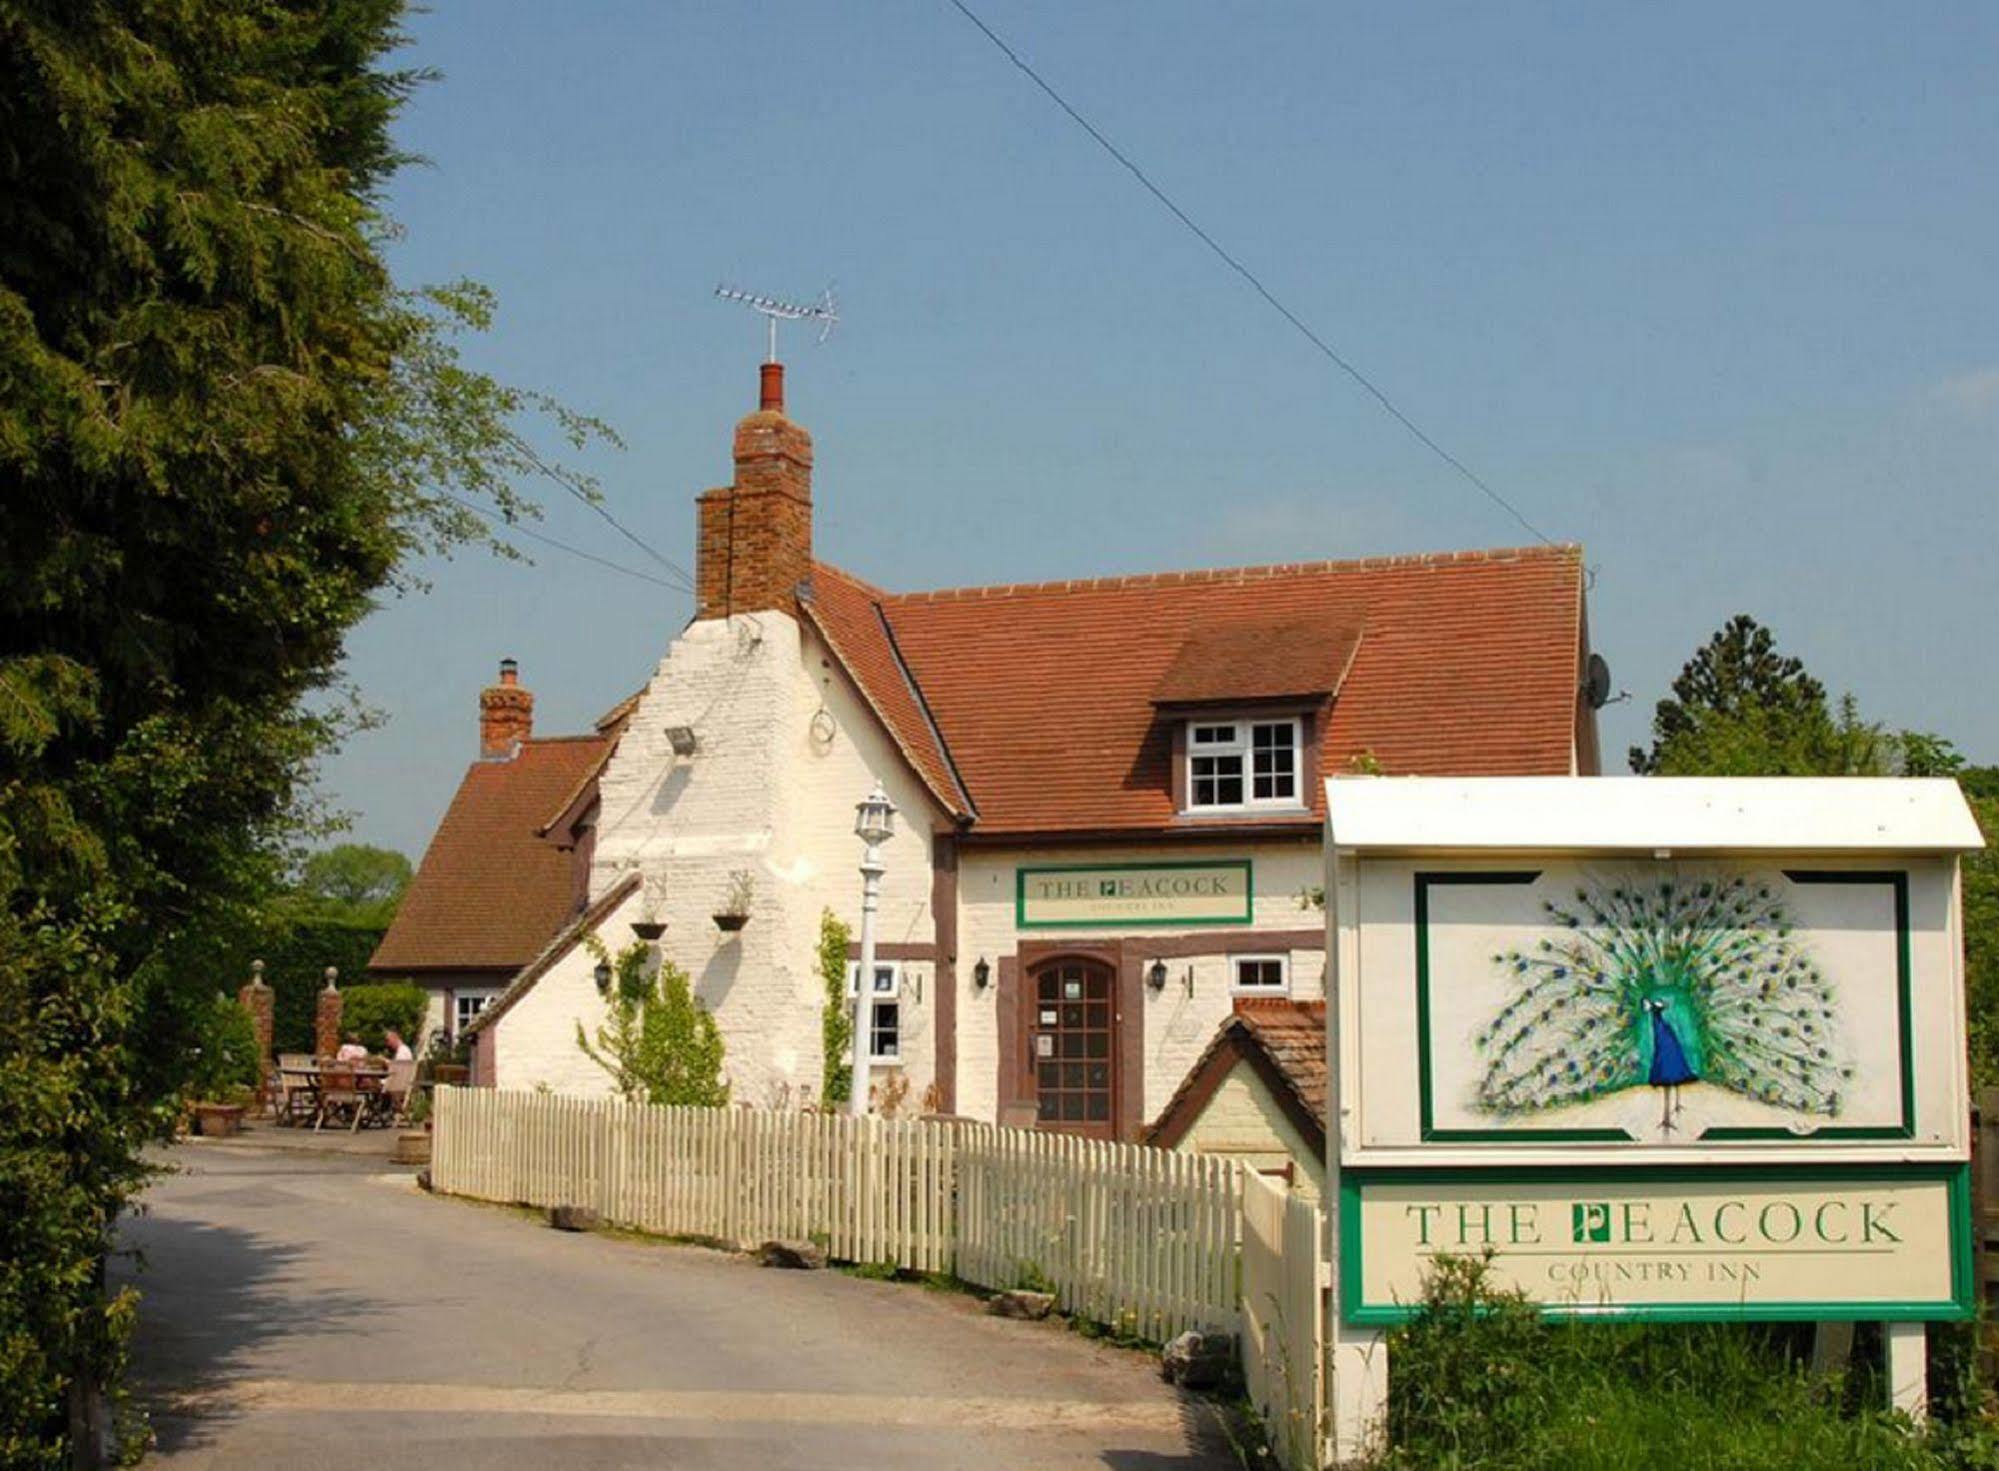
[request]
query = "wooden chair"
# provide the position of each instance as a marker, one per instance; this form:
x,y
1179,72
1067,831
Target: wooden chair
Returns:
x,y
394,1099
340,1095
298,1088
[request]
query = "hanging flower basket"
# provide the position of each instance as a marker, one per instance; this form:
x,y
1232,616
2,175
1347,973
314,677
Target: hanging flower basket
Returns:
x,y
730,923
648,929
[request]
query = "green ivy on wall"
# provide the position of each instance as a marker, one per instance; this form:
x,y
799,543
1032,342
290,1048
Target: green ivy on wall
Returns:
x,y
836,1020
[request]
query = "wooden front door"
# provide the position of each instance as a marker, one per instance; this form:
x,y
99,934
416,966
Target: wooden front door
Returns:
x,y
1072,1052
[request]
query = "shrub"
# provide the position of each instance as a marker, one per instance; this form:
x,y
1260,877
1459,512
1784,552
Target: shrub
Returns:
x,y
227,1059
373,1010
836,1016
1482,1381
660,1045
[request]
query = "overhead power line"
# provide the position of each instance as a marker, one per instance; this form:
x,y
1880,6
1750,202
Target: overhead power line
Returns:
x,y
561,546
583,492
1345,365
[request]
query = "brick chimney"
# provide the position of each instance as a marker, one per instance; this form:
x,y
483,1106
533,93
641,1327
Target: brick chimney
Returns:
x,y
755,536
506,715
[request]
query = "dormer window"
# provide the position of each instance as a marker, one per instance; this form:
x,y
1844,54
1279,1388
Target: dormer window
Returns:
x,y
1236,764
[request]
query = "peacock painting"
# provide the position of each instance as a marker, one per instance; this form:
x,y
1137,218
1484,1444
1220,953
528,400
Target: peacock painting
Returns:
x,y
1663,984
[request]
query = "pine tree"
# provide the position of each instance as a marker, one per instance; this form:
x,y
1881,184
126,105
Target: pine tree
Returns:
x,y
222,428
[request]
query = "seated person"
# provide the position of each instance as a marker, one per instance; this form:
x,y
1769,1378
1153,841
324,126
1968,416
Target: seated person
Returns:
x,y
395,1047
351,1050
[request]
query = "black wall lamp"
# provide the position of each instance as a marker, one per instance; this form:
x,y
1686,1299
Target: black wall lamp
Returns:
x,y
1156,976
982,974
603,974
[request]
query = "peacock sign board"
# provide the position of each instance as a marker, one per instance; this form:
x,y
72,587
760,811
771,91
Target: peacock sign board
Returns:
x,y
1699,990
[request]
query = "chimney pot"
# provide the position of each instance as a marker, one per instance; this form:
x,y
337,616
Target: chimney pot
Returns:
x,y
754,536
506,715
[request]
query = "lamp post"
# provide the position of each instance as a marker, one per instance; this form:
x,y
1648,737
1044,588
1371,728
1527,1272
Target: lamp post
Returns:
x,y
874,824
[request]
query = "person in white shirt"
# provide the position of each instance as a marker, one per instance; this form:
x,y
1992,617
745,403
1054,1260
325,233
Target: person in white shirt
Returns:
x,y
397,1049
351,1050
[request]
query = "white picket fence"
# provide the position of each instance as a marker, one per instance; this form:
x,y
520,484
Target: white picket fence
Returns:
x,y
1149,1241
1283,1317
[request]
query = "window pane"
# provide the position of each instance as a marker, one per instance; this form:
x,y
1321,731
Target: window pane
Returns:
x,y
1214,735
1228,791
1100,1108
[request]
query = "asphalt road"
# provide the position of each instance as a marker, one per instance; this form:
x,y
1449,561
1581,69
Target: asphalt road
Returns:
x,y
305,1311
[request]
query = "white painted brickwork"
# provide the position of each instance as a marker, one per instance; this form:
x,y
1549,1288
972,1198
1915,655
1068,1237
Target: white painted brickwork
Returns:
x,y
1243,1122
762,793
1177,1027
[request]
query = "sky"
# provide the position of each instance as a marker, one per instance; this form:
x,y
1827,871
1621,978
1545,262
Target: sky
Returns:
x,y
1707,288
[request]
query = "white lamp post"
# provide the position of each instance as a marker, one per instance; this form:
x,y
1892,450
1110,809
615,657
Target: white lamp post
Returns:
x,y
874,824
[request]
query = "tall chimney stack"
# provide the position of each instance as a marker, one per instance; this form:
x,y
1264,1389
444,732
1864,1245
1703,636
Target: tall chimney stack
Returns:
x,y
755,536
506,715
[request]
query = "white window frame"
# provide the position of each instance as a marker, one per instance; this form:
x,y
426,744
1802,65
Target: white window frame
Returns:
x,y
482,994
1283,986
1243,746
888,987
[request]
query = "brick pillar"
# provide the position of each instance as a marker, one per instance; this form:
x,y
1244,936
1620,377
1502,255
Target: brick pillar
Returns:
x,y
257,999
326,1017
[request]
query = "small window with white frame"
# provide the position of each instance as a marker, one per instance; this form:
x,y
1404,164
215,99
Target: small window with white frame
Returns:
x,y
885,1012
1234,764
465,1005
1260,975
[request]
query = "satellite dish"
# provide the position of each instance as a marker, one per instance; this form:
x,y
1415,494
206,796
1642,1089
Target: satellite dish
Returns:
x,y
1596,682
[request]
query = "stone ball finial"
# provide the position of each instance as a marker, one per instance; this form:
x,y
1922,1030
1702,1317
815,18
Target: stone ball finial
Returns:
x,y
332,975
256,972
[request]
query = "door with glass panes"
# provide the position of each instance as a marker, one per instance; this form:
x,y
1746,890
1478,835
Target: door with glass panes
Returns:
x,y
1072,1058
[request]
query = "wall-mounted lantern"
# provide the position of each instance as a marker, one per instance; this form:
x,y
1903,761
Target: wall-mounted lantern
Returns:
x,y
603,974
1156,976
982,974
681,738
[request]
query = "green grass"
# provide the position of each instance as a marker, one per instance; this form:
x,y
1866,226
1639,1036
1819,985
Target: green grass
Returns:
x,y
1481,1381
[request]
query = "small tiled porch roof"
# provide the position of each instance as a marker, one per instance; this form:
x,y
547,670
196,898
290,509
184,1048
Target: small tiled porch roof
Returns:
x,y
1284,1042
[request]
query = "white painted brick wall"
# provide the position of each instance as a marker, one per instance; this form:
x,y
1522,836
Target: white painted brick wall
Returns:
x,y
1243,1121
535,1040
765,795
1176,1027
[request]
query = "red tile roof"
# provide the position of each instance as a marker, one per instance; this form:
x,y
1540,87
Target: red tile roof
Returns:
x,y
1264,660
1284,1042
848,614
490,891
1038,699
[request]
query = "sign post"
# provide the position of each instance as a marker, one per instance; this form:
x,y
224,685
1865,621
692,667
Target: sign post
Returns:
x,y
1677,1049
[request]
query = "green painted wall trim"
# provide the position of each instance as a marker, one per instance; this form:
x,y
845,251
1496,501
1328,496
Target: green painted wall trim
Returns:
x,y
1245,916
1961,1304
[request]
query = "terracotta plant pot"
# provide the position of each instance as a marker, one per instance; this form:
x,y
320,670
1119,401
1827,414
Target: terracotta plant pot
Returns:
x,y
413,1147
218,1120
450,1073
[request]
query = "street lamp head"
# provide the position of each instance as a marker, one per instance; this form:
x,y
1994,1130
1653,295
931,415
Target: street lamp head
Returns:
x,y
874,818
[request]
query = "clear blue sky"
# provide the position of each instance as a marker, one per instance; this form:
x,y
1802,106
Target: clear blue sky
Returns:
x,y
1708,288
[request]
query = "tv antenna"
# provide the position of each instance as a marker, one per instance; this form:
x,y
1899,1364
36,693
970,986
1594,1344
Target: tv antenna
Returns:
x,y
824,311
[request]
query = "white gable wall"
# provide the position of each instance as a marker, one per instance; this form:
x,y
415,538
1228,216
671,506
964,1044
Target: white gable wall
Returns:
x,y
534,1040
765,794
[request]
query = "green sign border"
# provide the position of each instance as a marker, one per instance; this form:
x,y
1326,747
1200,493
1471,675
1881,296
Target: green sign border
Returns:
x,y
1961,1305
1021,921
1898,879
